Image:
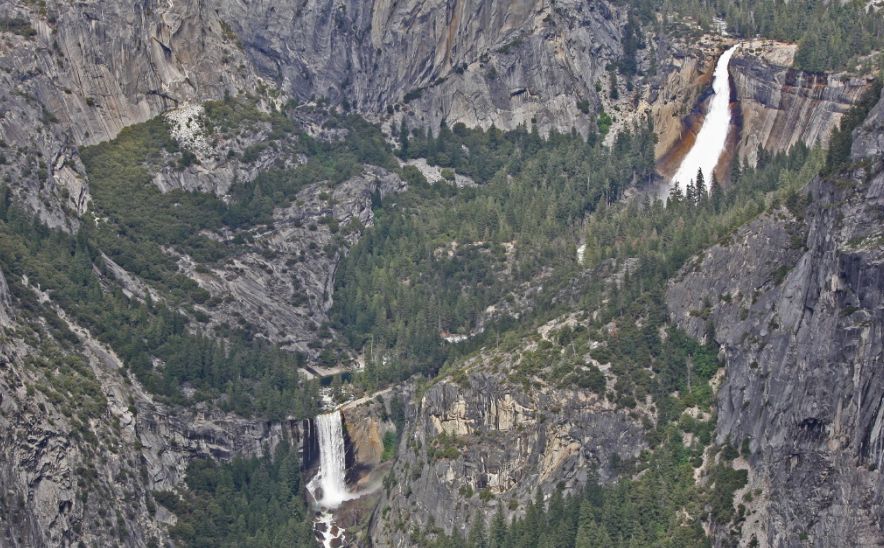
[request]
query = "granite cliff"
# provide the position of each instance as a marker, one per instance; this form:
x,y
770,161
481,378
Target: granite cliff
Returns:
x,y
780,106
794,300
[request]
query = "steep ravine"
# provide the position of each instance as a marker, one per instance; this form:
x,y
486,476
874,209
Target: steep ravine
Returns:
x,y
93,68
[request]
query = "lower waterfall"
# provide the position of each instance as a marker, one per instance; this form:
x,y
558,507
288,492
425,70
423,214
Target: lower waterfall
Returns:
x,y
328,487
332,462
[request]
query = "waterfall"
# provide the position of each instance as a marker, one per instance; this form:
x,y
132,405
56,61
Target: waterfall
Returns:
x,y
332,462
712,137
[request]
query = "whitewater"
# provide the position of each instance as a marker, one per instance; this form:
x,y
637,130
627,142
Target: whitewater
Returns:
x,y
712,137
329,486
332,462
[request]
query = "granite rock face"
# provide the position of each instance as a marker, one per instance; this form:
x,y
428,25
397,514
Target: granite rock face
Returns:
x,y
780,106
82,466
283,286
795,301
478,440
83,71
86,70
6,312
480,63
77,73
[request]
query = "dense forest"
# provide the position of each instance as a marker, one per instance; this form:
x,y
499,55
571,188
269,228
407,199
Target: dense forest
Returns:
x,y
830,35
247,502
644,510
437,257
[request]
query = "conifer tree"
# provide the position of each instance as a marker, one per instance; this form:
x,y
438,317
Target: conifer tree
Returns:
x,y
497,535
477,537
690,195
403,139
702,195
676,197
715,194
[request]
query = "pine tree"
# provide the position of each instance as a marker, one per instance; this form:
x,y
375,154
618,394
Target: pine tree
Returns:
x,y
403,139
700,181
589,533
702,195
676,197
690,195
477,537
715,194
497,535
736,172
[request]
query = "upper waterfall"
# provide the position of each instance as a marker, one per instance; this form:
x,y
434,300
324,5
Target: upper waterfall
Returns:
x,y
712,137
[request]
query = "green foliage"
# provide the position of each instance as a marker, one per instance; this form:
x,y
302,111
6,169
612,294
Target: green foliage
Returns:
x,y
661,505
137,219
725,481
247,502
252,376
660,508
830,35
444,446
436,257
604,123
136,223
391,442
842,138
69,383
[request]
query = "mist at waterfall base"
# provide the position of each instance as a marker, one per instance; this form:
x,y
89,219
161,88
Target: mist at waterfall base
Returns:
x,y
712,137
328,486
329,483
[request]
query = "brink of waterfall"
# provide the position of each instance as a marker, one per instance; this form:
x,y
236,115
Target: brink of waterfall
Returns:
x,y
328,487
712,137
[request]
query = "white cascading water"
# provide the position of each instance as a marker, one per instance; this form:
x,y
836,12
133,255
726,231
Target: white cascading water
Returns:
x,y
712,137
329,483
332,461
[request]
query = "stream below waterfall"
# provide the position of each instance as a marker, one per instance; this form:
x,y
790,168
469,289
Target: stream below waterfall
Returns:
x,y
328,487
712,137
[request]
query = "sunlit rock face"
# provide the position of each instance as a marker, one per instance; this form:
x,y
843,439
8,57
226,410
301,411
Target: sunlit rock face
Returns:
x,y
479,440
780,106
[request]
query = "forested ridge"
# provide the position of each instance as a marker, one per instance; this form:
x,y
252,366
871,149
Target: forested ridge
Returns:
x,y
437,257
830,35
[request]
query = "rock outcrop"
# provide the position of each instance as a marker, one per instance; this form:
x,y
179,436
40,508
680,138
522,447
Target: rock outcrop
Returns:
x,y
780,106
481,63
479,440
6,313
795,301
283,287
77,73
83,447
